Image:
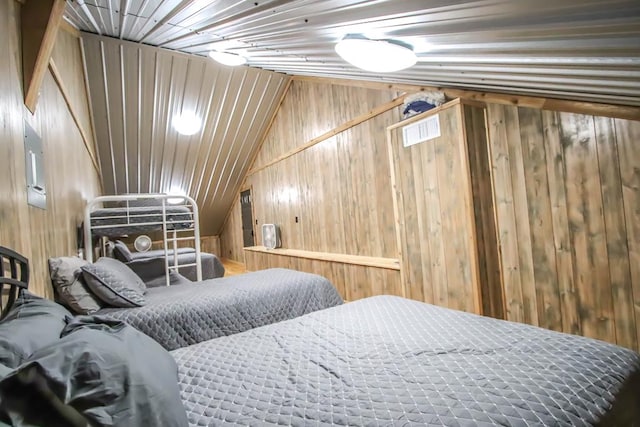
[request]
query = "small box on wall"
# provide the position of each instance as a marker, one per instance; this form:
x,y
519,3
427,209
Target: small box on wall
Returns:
x,y
34,168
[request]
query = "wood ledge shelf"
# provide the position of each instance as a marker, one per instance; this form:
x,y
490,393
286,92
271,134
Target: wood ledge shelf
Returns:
x,y
386,263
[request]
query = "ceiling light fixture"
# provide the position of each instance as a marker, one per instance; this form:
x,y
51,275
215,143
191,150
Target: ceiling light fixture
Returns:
x,y
187,123
178,194
381,56
227,58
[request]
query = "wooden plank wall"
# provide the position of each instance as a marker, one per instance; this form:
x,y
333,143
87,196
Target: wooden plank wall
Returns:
x,y
567,190
484,211
567,202
70,176
231,235
435,214
338,190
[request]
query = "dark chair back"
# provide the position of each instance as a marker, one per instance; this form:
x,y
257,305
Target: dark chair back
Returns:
x,y
14,278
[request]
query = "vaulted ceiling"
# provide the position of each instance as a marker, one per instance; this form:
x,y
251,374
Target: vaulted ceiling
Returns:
x,y
575,49
137,90
147,60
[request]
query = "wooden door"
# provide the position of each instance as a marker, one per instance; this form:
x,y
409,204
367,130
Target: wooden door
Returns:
x,y
248,236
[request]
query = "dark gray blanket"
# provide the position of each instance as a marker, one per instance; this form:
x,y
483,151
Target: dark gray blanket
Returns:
x,y
391,361
181,315
153,269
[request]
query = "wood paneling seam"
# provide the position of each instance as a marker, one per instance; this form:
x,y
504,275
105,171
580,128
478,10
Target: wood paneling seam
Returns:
x,y
65,95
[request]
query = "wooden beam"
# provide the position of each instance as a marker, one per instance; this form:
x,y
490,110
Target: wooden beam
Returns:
x,y
74,114
40,21
347,125
66,26
369,261
551,104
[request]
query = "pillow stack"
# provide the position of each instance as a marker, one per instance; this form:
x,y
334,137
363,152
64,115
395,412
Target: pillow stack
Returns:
x,y
57,370
85,288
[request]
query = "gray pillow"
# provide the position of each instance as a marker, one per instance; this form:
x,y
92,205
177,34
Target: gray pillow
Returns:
x,y
102,372
66,276
114,283
121,252
32,323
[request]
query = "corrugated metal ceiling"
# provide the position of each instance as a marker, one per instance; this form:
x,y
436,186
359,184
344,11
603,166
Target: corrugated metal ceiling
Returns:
x,y
583,50
135,92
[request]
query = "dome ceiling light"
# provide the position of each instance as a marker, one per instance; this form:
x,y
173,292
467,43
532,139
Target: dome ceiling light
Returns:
x,y
187,123
380,56
178,196
227,58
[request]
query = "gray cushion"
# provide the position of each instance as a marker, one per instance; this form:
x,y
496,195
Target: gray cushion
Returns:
x,y
114,283
66,276
32,323
121,251
100,371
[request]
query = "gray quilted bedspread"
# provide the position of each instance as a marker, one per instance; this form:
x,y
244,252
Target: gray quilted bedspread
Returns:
x,y
181,315
391,361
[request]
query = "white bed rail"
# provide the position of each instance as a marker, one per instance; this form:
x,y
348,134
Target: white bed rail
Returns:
x,y
170,233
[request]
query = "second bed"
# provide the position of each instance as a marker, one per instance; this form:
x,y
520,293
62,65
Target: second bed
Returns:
x,y
181,315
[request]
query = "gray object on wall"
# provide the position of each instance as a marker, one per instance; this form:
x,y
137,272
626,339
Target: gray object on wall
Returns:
x,y
34,168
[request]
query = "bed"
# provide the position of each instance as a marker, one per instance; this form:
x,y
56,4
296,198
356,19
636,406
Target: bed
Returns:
x,y
175,218
378,361
382,360
151,264
185,314
392,361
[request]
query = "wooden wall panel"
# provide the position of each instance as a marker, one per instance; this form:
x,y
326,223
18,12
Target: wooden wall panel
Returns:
x,y
67,55
70,176
627,137
489,267
14,213
560,220
333,197
565,191
231,236
433,191
339,190
540,222
311,109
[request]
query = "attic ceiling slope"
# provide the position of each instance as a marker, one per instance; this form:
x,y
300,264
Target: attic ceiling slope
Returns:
x,y
587,50
136,90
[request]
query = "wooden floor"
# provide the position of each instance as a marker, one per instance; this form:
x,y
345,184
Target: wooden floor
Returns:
x,y
231,268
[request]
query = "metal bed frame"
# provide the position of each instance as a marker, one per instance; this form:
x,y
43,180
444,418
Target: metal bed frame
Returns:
x,y
170,234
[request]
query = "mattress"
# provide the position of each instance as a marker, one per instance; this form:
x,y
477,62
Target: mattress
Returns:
x,y
391,361
116,222
181,315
